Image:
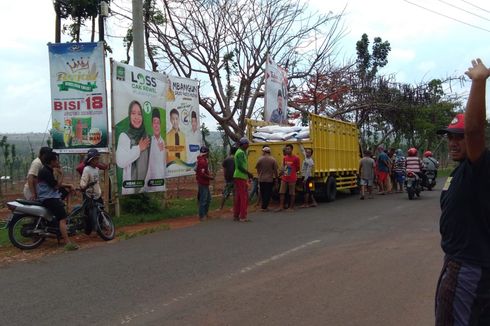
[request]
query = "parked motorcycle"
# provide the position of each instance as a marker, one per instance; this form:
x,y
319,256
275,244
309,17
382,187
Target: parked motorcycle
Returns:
x,y
430,180
413,185
31,223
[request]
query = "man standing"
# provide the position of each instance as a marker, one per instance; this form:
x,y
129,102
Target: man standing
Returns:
x,y
240,177
30,187
203,177
366,174
267,171
158,156
383,166
228,171
290,168
463,290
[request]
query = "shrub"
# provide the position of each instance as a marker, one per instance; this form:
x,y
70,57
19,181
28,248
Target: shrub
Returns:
x,y
141,203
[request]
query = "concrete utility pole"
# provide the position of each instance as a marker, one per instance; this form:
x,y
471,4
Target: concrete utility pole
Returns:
x,y
138,34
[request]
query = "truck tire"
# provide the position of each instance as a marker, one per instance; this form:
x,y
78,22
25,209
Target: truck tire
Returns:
x,y
331,189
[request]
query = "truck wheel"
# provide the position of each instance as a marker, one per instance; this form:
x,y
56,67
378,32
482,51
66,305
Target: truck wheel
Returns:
x,y
331,188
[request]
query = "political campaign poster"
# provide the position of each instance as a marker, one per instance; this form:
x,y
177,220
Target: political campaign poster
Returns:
x,y
183,121
139,113
276,93
78,97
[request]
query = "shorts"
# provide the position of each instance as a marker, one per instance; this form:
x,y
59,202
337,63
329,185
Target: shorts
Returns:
x,y
399,177
289,186
228,189
366,182
55,206
382,176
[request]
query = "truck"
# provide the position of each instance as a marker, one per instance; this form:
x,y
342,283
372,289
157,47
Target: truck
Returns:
x,y
336,153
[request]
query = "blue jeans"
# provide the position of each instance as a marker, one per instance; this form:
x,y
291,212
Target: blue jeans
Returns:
x,y
204,197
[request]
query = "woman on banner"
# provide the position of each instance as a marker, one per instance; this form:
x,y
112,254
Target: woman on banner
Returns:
x,y
133,151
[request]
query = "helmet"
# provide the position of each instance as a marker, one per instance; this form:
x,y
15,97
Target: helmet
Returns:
x,y
399,152
91,154
412,152
427,153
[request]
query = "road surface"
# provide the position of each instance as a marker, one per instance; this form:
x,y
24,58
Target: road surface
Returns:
x,y
348,262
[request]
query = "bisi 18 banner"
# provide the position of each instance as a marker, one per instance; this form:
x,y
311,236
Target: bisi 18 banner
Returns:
x,y
276,93
78,97
183,132
139,107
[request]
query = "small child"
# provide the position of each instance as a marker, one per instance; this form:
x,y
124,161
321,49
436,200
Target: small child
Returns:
x,y
90,175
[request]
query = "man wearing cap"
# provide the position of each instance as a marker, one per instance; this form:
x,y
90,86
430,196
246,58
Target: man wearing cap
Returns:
x,y
240,177
267,171
203,177
463,289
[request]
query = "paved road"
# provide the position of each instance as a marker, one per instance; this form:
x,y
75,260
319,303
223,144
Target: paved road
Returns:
x,y
349,262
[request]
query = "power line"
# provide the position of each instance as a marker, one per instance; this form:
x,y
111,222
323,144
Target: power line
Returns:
x,y
471,4
438,13
462,9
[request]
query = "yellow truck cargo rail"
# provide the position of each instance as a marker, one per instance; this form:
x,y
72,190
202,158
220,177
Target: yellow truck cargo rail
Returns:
x,y
335,147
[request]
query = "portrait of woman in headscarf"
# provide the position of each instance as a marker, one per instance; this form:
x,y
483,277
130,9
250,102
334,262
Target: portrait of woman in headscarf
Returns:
x,y
133,148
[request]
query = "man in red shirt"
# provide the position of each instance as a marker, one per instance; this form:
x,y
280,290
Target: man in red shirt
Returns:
x,y
203,177
290,167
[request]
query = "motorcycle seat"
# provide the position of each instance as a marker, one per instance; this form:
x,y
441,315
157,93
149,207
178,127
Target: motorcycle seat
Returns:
x,y
29,202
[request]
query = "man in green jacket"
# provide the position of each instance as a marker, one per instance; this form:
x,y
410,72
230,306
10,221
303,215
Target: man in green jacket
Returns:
x,y
240,178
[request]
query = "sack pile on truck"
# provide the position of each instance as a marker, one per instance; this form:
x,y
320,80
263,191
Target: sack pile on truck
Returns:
x,y
274,133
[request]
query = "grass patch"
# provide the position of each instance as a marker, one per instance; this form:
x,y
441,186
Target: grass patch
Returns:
x,y
4,237
126,236
445,172
175,208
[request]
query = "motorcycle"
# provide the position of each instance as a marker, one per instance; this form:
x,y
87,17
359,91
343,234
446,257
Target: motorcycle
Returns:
x,y
413,185
430,181
31,223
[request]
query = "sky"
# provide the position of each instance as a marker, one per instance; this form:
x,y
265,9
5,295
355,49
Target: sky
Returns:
x,y
429,39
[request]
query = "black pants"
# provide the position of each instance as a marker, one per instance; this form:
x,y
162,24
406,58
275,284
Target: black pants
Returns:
x,y
266,193
55,206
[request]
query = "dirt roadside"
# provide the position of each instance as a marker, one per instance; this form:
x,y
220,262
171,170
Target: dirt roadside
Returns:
x,y
10,254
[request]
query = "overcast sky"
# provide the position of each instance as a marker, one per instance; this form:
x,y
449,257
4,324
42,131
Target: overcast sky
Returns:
x,y
429,39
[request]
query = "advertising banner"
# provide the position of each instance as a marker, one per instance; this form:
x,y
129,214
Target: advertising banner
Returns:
x,y
139,113
276,93
183,133
78,97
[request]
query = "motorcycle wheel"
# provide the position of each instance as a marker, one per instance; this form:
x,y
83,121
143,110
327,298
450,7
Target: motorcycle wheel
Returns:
x,y
105,226
429,188
20,235
411,193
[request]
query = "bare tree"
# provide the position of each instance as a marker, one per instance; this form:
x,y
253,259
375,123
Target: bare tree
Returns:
x,y
225,43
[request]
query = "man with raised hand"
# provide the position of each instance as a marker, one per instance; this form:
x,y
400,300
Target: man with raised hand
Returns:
x,y
463,289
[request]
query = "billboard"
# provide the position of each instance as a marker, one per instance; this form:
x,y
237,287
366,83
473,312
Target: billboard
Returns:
x,y
276,93
78,97
183,133
139,113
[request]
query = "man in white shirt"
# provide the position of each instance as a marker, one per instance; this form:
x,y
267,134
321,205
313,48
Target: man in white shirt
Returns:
x,y
194,139
158,157
30,192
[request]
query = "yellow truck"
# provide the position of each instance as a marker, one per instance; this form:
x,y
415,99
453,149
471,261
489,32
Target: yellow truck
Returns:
x,y
336,152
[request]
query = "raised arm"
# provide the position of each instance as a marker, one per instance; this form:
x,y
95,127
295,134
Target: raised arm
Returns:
x,y
474,131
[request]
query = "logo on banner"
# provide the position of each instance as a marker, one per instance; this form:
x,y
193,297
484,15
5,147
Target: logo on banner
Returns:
x,y
80,76
121,73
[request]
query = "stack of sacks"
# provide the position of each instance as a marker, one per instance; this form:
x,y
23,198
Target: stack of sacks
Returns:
x,y
274,133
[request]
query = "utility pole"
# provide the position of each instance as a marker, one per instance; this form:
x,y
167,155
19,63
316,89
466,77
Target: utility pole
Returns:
x,y
103,13
138,34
